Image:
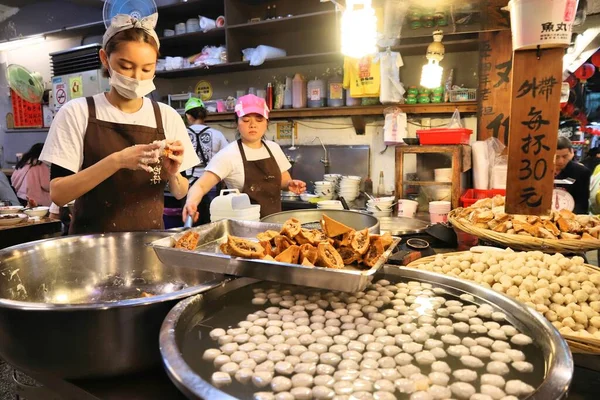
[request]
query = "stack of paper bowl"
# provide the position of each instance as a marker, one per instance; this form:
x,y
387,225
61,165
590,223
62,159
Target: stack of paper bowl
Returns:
x,y
335,179
349,187
325,189
330,205
442,175
380,206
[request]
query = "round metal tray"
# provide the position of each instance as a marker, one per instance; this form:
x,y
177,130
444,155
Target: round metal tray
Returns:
x,y
181,359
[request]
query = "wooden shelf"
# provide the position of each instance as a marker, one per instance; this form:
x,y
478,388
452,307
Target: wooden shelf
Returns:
x,y
426,183
453,43
189,43
245,66
442,108
287,24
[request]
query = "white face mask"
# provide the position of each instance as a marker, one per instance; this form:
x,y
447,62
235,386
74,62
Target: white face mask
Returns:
x,y
130,88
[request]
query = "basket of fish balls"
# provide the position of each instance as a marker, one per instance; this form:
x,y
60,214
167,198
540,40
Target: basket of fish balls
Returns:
x,y
565,290
410,334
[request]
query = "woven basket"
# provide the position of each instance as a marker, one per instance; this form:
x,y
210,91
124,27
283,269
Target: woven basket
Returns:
x,y
526,243
576,344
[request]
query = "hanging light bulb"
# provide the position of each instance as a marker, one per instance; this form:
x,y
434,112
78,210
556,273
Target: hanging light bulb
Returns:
x,y
359,29
431,76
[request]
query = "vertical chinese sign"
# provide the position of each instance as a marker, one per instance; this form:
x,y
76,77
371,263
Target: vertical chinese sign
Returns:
x,y
533,128
495,71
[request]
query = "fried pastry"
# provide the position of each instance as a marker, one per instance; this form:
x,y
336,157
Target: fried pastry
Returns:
x,y
349,255
308,252
289,255
333,228
307,263
374,253
282,243
329,256
291,227
188,241
239,247
360,241
267,235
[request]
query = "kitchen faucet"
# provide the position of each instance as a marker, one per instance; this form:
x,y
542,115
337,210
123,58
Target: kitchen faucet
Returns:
x,y
324,160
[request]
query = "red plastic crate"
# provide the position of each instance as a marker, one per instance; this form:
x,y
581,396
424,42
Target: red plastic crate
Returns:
x,y
471,196
26,114
444,136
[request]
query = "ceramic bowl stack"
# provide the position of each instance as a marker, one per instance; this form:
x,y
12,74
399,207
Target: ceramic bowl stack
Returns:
x,y
335,179
442,175
325,190
330,205
349,187
233,205
380,206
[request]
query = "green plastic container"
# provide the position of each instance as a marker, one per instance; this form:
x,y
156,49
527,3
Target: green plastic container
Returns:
x,y
424,91
438,91
436,98
424,99
411,100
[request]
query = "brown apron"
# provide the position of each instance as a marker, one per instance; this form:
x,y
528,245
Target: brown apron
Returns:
x,y
126,201
262,182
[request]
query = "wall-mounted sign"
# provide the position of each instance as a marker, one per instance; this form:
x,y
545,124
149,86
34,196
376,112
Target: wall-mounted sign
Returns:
x,y
204,90
75,87
285,130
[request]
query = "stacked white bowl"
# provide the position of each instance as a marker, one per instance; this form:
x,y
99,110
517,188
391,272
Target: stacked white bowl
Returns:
x,y
380,206
443,175
349,187
330,205
325,189
335,179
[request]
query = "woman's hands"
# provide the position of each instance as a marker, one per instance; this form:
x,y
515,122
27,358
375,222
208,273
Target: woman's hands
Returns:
x,y
138,157
297,186
191,208
174,158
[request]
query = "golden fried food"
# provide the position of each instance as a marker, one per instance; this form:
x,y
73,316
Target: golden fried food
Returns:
x,y
307,263
375,251
282,243
360,241
188,241
333,228
239,247
308,252
267,235
349,255
291,228
290,255
329,256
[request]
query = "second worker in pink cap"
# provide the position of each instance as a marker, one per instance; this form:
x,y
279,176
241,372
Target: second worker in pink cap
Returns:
x,y
253,165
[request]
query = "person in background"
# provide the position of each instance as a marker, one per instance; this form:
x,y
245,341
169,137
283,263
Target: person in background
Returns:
x,y
592,159
255,166
116,152
207,142
565,167
31,178
7,194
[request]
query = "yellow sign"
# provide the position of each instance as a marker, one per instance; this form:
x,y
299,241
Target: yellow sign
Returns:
x,y
285,129
75,87
204,90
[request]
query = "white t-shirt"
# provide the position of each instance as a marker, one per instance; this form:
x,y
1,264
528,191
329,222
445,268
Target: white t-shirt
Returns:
x,y
229,166
212,141
64,145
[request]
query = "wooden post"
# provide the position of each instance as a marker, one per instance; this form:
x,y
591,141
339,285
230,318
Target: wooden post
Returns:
x,y
535,106
495,71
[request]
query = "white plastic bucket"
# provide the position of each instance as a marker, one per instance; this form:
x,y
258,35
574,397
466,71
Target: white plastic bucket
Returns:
x,y
438,211
544,23
407,208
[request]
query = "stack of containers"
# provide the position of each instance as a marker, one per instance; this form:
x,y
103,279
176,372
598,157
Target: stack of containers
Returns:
x,y
349,187
438,211
335,179
380,206
325,190
330,205
231,204
443,175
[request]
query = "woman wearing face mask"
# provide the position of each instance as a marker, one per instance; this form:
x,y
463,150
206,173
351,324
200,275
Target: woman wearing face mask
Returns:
x,y
251,164
101,148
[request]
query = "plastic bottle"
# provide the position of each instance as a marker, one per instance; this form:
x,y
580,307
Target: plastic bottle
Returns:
x,y
316,93
299,92
335,91
287,93
269,98
381,185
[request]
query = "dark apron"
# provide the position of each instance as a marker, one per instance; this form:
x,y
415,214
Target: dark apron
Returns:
x,y
126,201
262,182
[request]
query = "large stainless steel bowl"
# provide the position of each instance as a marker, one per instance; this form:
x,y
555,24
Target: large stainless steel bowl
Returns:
x,y
182,348
353,219
89,306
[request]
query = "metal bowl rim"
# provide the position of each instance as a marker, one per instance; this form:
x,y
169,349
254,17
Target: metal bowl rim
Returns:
x,y
558,374
138,302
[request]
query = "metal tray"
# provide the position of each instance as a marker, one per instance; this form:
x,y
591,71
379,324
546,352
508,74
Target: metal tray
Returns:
x,y
208,257
181,344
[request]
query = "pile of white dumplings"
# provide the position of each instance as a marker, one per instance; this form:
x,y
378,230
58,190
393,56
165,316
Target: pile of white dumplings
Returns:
x,y
404,340
565,291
